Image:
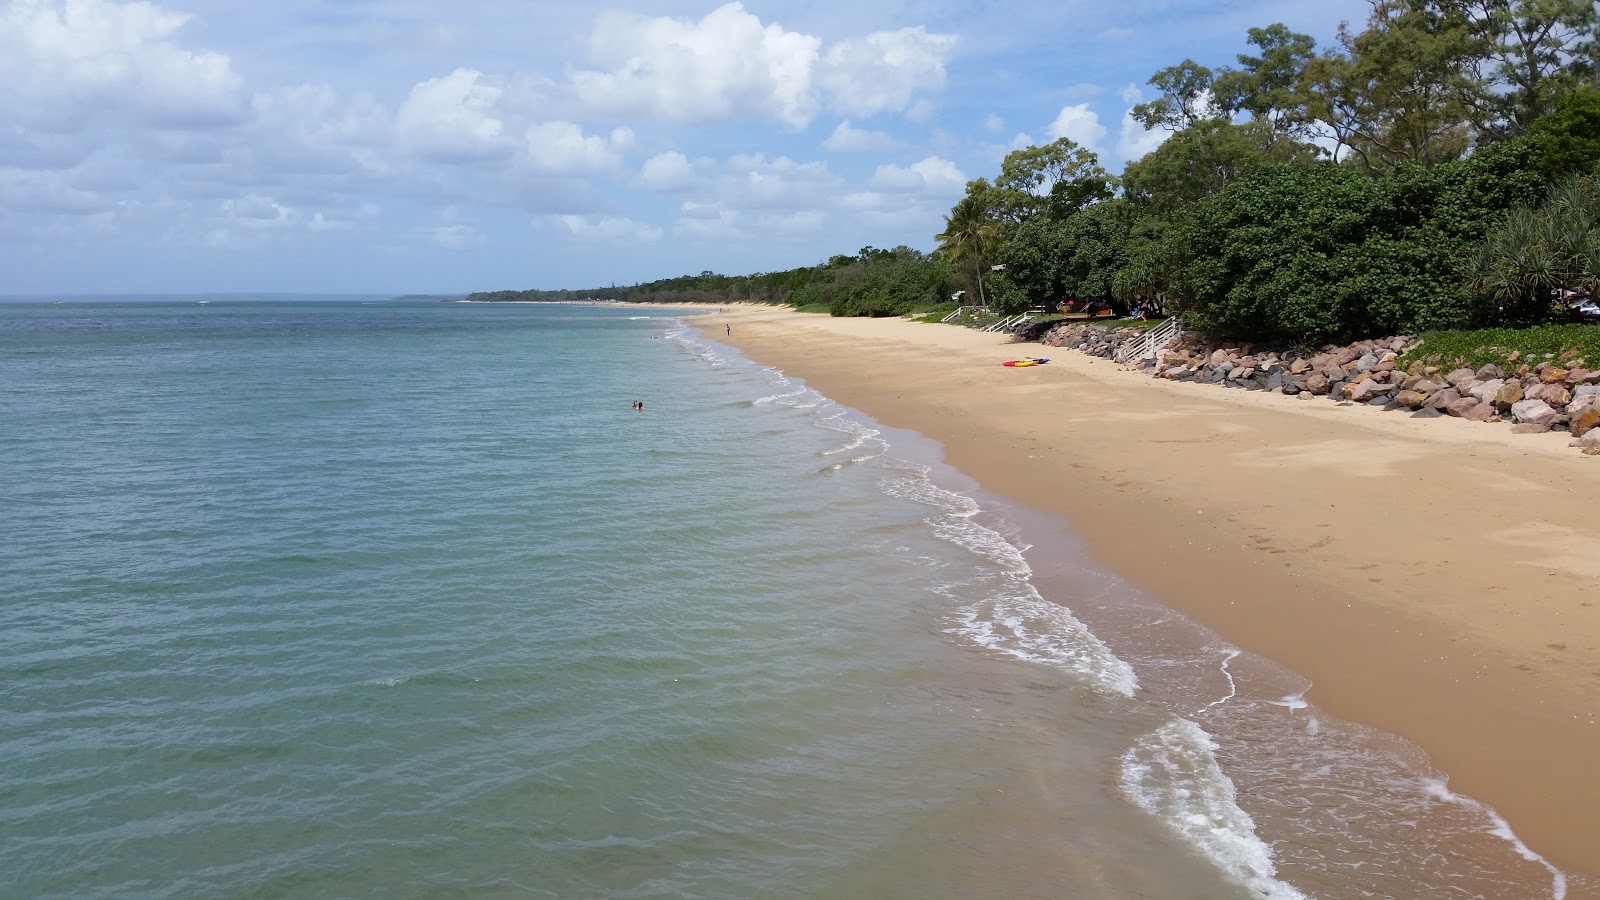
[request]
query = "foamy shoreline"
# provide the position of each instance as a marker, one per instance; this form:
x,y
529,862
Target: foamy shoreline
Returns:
x,y
1384,559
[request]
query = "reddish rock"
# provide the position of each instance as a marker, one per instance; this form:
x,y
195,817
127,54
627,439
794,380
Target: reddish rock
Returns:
x,y
1483,412
1555,394
1299,367
1458,376
1460,407
1442,399
1553,375
1317,384
1361,391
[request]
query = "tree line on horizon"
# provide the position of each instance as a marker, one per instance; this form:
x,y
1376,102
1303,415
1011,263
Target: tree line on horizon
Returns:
x,y
1438,168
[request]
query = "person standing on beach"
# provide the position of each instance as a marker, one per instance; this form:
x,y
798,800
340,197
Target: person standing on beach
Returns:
x,y
727,329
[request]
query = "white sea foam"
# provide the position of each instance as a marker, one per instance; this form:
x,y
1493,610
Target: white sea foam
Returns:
x,y
777,398
1500,828
1233,686
1000,610
1172,774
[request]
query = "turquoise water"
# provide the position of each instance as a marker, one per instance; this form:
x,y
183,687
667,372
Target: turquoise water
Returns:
x,y
327,599
405,599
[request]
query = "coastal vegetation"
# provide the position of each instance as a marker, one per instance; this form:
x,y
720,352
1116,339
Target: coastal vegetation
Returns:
x,y
1436,169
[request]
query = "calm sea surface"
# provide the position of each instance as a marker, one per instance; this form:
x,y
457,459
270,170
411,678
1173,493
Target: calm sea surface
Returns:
x,y
405,599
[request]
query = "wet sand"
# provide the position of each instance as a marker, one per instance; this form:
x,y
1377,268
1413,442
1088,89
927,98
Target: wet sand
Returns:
x,y
1436,579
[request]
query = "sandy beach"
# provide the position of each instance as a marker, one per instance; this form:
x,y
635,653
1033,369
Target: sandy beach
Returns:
x,y
1436,579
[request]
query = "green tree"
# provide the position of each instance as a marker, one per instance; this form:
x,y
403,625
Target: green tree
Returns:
x,y
1186,98
1569,138
1401,90
1201,160
1271,85
1054,180
1533,52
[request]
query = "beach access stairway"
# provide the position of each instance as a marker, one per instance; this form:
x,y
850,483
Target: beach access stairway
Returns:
x,y
965,312
1010,322
1150,343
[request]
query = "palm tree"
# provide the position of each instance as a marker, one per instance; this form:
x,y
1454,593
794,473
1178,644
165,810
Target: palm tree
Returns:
x,y
968,236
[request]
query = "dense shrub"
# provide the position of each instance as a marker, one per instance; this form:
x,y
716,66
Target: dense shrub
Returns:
x,y
1323,252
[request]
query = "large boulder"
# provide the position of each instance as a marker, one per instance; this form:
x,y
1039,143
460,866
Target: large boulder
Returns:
x,y
1591,438
1510,393
1363,390
1553,393
1553,375
1533,412
1585,421
1410,399
1485,391
1458,376
1442,399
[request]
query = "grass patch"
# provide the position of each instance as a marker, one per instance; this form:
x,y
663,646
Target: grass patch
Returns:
x,y
822,308
1564,344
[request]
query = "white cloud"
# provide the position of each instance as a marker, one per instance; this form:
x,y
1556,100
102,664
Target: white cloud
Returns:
x,y
561,148
257,211
1080,123
884,70
669,171
724,65
751,181
994,123
729,65
707,221
452,118
1134,141
69,62
848,138
930,176
454,235
46,192
611,229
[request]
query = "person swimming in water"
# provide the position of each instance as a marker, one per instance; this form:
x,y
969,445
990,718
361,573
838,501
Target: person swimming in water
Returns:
x,y
638,406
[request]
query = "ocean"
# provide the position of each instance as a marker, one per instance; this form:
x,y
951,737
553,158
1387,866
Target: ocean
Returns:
x,y
406,599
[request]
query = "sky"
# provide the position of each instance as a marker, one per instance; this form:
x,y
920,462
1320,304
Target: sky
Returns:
x,y
417,146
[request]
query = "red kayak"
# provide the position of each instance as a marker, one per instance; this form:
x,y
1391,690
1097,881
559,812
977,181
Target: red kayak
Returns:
x,y
1030,361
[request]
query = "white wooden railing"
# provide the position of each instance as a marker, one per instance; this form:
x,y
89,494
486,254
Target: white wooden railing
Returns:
x,y
1151,342
964,311
1010,322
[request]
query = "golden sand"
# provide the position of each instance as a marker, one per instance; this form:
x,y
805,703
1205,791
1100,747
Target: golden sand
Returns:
x,y
1437,579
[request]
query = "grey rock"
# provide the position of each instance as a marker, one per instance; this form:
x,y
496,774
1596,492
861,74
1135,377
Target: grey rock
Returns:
x,y
1534,412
